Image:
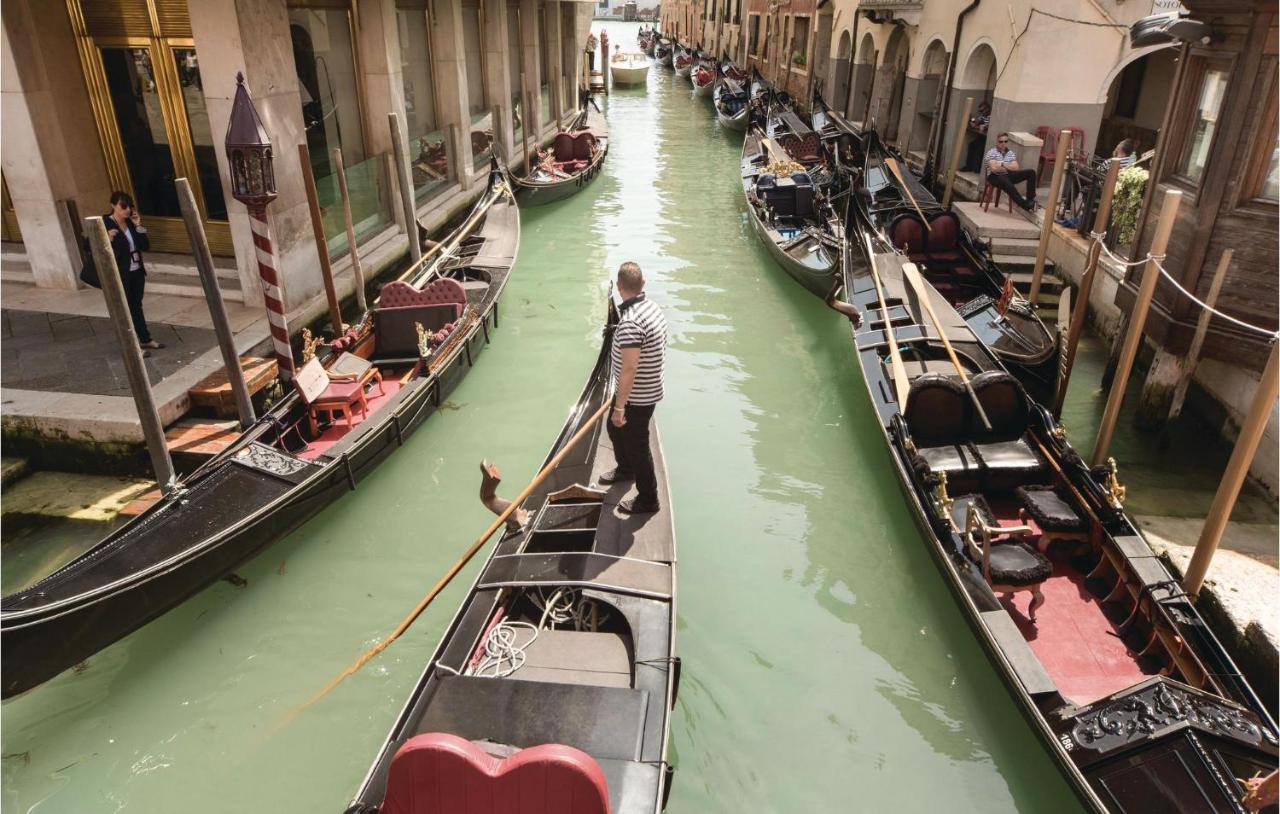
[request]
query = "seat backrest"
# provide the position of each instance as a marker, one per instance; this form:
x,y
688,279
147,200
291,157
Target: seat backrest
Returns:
x,y
907,233
944,232
937,411
311,380
563,146
444,290
439,773
804,196
1049,138
395,330
584,146
1005,403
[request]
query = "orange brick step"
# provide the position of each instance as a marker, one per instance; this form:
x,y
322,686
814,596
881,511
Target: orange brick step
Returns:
x,y
215,390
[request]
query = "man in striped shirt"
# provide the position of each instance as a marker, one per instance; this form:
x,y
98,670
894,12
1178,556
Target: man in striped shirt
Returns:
x,y
636,358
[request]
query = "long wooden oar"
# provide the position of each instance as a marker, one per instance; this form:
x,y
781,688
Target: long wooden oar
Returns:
x,y
896,368
910,271
897,173
464,559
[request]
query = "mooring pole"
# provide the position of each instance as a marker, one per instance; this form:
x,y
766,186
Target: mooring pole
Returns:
x,y
1264,398
118,309
1137,319
1046,226
322,243
1202,329
604,61
356,270
1081,312
956,150
217,308
401,150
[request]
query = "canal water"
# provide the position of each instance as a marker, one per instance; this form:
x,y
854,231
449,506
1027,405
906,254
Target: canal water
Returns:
x,y
826,665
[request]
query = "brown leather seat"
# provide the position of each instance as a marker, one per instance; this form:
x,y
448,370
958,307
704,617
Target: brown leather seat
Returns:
x,y
937,411
1017,565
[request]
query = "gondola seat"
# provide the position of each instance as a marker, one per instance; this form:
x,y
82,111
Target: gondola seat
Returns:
x,y
943,241
1007,459
1056,517
1018,565
401,308
1008,564
439,773
906,231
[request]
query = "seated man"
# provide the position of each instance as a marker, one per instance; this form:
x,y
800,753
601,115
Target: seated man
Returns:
x,y
1003,173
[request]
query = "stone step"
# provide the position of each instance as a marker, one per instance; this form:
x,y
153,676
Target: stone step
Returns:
x,y
993,223
1048,282
188,285
1022,247
214,391
1020,262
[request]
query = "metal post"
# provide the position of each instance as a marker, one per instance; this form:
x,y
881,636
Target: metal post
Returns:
x,y
1197,341
604,61
353,250
118,309
217,308
1137,319
1046,226
1241,456
272,291
322,243
1086,285
955,151
401,152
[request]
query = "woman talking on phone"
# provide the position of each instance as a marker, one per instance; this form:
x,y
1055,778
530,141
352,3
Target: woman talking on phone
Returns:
x,y
128,242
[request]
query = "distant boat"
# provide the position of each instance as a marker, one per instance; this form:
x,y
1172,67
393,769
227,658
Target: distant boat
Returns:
x,y
629,68
662,52
703,77
682,61
732,99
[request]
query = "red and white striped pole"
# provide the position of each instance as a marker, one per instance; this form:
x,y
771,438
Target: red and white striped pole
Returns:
x,y
272,292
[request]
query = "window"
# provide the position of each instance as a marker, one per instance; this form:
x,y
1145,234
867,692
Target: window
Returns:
x,y
548,69
474,58
1210,83
415,67
324,56
764,42
800,42
515,43
1261,183
753,34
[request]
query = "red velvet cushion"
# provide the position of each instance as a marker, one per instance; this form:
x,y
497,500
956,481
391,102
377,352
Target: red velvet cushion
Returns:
x,y
438,773
582,146
907,233
339,391
944,233
563,147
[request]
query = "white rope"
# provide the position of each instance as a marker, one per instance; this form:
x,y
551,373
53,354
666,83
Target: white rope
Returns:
x,y
504,653
1158,260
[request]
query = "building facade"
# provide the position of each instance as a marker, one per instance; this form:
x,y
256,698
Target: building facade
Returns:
x,y
132,94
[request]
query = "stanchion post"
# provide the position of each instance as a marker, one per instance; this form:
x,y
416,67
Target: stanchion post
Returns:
x,y
401,152
322,242
1046,226
213,296
357,271
1264,398
1202,330
139,383
956,149
1081,312
1137,320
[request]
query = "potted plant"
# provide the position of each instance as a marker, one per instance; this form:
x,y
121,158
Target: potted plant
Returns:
x,y
798,60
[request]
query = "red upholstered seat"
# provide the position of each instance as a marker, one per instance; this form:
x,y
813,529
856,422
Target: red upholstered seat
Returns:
x,y
944,233
441,291
584,146
907,233
563,147
438,773
338,391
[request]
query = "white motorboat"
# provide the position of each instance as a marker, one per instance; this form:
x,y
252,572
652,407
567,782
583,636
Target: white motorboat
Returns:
x,y
629,68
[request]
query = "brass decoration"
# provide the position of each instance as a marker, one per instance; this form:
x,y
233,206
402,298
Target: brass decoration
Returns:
x,y
1060,432
310,345
942,502
1114,489
424,340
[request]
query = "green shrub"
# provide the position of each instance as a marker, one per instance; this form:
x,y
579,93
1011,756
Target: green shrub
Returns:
x,y
1131,184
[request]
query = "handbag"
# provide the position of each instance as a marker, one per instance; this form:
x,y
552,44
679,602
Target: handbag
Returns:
x,y
88,270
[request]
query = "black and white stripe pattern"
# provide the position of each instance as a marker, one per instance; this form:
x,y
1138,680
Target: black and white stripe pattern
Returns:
x,y
641,326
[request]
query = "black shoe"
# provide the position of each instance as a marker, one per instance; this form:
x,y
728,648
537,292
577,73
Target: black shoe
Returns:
x,y
1030,206
615,476
634,506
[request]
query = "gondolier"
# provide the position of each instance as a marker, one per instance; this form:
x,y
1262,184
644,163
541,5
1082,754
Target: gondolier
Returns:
x,y
636,361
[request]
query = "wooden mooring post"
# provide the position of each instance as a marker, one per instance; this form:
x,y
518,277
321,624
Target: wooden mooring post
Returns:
x,y
139,383
404,173
1046,225
956,149
353,248
322,243
217,308
1237,468
1197,341
1081,313
1137,320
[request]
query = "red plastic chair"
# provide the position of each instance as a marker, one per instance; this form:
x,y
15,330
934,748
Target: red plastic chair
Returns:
x,y
1048,150
987,191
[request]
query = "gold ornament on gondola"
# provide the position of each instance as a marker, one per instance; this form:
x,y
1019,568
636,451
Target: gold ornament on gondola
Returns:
x,y
784,167
1114,489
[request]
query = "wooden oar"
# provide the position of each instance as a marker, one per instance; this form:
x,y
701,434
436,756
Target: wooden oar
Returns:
x,y
897,173
912,274
899,373
465,558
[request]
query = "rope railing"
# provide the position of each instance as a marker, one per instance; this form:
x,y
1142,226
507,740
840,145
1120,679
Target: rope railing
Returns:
x,y
1158,260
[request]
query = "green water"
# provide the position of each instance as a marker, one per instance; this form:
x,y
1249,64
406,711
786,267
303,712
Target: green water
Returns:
x,y
826,665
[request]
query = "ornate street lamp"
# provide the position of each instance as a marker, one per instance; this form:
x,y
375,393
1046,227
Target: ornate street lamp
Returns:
x,y
253,183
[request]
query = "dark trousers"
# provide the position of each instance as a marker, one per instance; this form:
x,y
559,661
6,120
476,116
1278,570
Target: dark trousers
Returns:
x,y
631,451
135,282
1007,182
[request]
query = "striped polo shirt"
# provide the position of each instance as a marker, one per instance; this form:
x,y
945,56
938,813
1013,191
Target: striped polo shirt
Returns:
x,y
642,326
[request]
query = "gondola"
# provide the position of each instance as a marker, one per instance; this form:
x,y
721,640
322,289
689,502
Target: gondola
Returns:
x,y
789,201
570,163
662,51
1114,668
703,77
731,98
646,40
682,61
956,264
581,600
391,371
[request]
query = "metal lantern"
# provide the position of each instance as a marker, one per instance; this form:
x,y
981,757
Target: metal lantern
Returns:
x,y
253,179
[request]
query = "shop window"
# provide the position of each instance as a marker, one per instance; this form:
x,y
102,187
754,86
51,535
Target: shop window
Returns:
x,y
548,70
415,66
1210,84
324,55
475,59
516,73
753,34
1262,183
800,42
